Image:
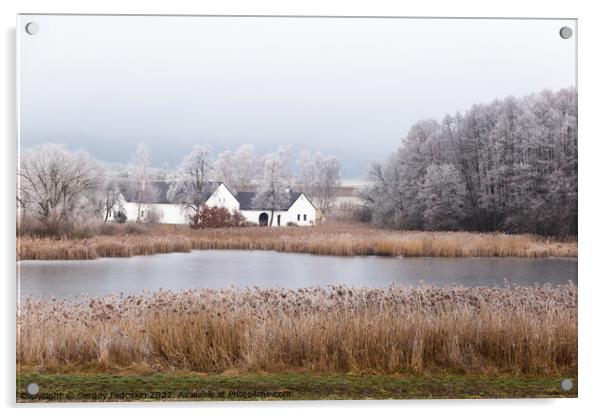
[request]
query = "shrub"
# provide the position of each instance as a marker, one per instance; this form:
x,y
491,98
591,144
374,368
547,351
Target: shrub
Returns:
x,y
76,226
28,225
121,216
81,227
349,211
110,228
237,219
136,229
218,217
152,215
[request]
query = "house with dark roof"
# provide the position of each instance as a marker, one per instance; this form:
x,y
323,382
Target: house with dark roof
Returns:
x,y
297,210
152,204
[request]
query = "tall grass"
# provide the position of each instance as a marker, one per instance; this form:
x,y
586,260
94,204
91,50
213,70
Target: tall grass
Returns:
x,y
517,330
329,239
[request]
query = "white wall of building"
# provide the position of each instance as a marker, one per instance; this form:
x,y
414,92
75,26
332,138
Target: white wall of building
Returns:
x,y
302,212
222,197
177,213
168,213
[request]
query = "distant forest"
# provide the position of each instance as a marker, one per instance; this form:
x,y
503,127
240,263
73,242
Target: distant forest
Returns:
x,y
510,165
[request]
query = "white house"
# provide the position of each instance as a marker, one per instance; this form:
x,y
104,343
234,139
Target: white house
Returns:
x,y
299,211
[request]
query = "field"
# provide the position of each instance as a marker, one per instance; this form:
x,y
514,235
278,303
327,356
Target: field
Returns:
x,y
194,386
337,239
521,331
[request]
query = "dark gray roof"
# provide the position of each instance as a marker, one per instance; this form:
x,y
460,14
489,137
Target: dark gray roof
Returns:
x,y
158,194
246,200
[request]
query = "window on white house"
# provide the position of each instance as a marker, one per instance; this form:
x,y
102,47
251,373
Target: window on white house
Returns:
x,y
298,217
304,217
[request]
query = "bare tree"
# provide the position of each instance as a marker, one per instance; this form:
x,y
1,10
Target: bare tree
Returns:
x,y
55,183
319,177
383,201
273,192
224,169
247,167
110,198
189,185
240,169
138,171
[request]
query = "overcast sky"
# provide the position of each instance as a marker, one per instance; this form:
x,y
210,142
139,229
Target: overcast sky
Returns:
x,y
348,87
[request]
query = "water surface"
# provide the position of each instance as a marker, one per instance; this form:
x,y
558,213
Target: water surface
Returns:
x,y
219,269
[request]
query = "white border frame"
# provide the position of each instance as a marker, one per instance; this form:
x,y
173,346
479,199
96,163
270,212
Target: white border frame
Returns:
x,y
589,70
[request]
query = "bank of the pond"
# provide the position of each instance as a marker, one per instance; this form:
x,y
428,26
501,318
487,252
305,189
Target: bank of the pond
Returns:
x,y
327,239
194,387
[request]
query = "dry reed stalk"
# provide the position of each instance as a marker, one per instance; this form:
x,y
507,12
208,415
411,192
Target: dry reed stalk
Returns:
x,y
329,239
517,330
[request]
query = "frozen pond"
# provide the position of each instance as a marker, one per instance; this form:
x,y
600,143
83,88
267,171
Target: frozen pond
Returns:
x,y
219,269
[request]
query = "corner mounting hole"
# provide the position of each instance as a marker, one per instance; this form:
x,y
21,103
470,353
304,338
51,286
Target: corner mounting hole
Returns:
x,y
32,28
33,389
566,32
566,384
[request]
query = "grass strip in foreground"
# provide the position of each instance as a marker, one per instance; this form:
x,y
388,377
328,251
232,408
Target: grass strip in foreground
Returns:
x,y
170,387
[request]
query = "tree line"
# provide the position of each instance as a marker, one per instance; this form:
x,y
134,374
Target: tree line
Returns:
x,y
510,165
58,186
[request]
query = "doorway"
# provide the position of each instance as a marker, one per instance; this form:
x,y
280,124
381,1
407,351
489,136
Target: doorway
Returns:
x,y
263,219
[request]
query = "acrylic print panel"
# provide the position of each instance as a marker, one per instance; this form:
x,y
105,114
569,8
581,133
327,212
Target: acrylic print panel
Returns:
x,y
285,208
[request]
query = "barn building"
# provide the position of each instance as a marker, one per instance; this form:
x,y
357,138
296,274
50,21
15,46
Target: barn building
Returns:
x,y
299,210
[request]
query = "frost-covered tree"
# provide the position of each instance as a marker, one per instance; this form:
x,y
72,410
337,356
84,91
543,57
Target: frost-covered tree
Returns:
x,y
138,172
443,194
319,177
382,198
224,169
247,167
111,195
273,191
240,169
190,184
55,183
516,159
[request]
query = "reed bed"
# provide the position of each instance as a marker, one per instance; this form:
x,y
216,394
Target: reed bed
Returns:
x,y
512,330
327,239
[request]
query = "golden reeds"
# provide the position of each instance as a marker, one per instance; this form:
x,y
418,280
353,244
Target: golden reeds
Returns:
x,y
517,330
331,239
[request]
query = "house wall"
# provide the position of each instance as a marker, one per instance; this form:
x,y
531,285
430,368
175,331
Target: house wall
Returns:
x,y
222,197
177,213
302,212
168,213
296,212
